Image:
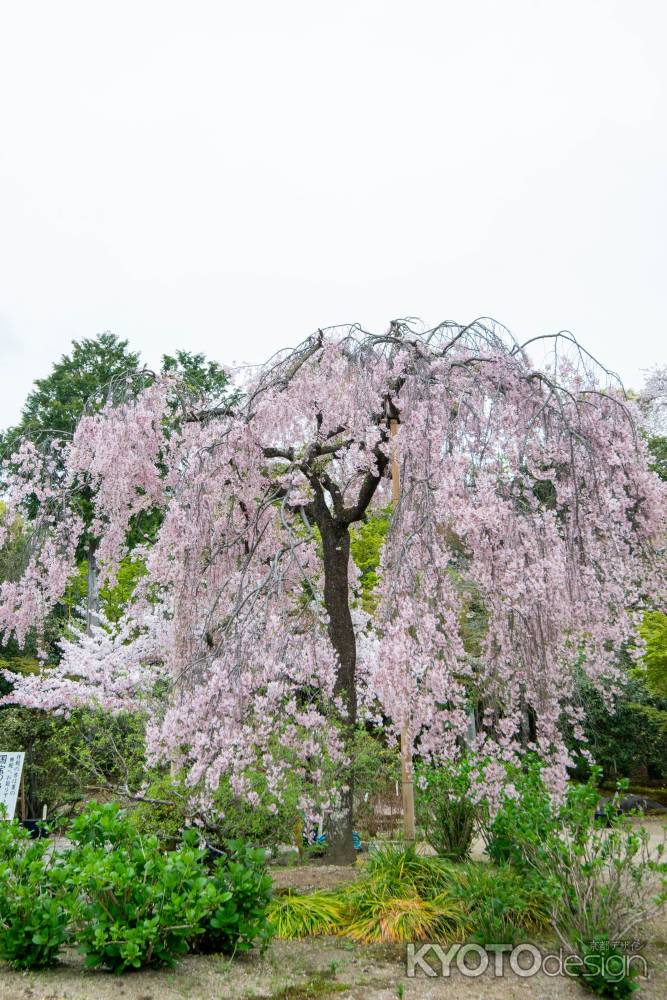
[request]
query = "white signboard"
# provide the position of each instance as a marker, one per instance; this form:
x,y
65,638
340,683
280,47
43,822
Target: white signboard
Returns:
x,y
11,765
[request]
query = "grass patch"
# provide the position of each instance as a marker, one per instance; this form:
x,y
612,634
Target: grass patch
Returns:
x,y
406,896
293,915
318,986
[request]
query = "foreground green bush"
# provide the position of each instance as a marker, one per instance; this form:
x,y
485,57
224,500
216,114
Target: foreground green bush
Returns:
x,y
502,904
603,879
124,900
136,905
239,921
139,905
34,900
599,875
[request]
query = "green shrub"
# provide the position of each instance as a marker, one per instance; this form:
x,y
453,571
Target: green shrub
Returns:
x,y
445,809
524,818
603,879
240,921
502,903
605,970
170,807
166,811
138,905
34,902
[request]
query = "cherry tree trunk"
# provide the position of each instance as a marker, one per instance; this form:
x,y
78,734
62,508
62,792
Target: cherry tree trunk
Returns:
x,y
336,550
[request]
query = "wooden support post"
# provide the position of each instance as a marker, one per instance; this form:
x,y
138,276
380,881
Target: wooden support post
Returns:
x,y
407,782
23,808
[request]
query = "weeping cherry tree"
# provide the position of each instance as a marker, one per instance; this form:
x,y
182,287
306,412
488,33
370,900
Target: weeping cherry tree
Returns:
x,y
524,491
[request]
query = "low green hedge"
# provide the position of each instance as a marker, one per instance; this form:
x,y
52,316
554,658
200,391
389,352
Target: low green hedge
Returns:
x,y
122,899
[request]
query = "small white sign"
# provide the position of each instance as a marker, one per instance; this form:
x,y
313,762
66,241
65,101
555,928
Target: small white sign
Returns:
x,y
11,765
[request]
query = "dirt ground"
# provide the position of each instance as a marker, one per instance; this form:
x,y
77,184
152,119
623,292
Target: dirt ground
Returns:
x,y
316,969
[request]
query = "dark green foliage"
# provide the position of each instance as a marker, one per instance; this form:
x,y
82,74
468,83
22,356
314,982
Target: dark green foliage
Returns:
x,y
605,970
523,819
34,900
503,904
657,447
14,551
445,809
68,758
627,742
138,905
240,922
200,376
80,378
169,807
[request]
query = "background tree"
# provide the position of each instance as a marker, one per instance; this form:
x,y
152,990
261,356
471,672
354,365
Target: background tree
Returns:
x,y
79,380
94,371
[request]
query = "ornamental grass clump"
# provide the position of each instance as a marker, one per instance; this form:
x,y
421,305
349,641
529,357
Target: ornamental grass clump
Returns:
x,y
406,896
397,869
293,915
374,915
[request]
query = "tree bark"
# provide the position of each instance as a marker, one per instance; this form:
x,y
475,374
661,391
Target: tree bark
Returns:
x,y
336,551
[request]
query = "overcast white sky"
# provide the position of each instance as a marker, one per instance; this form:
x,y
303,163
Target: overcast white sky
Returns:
x,y
227,176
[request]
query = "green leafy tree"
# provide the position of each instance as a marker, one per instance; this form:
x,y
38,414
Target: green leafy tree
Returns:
x,y
366,547
203,376
95,369
629,740
80,379
76,380
657,447
68,757
653,631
